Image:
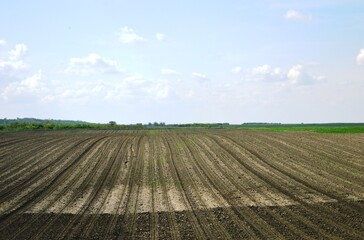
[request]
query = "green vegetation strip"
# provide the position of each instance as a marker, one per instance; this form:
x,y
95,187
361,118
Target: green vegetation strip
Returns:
x,y
319,129
154,128
16,126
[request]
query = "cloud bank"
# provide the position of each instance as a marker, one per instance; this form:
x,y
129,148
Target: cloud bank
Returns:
x,y
93,64
14,62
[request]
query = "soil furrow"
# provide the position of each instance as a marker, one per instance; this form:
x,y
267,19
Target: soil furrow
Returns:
x,y
122,197
213,176
39,189
260,174
53,197
152,183
171,221
242,181
109,180
345,230
132,210
309,168
20,172
88,190
20,157
207,194
44,190
181,184
217,184
201,228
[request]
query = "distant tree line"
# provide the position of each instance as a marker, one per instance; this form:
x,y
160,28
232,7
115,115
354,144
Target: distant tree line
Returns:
x,y
10,125
21,126
25,124
36,120
201,125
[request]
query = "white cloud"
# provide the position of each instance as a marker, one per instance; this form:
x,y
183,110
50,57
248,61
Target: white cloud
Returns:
x,y
2,42
236,70
79,93
160,36
19,51
166,71
33,81
93,64
31,85
360,57
298,76
266,70
128,35
158,90
14,63
11,67
265,73
133,89
200,76
295,74
295,15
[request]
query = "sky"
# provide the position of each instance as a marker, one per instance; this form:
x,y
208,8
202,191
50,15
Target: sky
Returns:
x,y
183,61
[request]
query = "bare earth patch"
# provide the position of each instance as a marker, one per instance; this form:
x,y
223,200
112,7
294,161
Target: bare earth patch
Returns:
x,y
182,184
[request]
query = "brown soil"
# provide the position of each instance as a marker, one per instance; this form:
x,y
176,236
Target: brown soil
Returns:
x,y
216,184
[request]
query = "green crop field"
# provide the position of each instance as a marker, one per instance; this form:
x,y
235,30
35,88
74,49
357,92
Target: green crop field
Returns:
x,y
312,128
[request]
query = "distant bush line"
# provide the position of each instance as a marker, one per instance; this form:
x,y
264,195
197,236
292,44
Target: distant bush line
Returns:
x,y
13,125
16,126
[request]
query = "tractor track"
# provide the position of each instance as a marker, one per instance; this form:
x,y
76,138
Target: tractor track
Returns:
x,y
92,206
151,181
112,229
163,163
211,227
112,176
134,187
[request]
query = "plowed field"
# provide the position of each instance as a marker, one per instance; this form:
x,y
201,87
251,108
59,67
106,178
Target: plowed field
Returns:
x,y
174,184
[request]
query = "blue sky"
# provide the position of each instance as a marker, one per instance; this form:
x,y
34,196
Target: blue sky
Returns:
x,y
182,61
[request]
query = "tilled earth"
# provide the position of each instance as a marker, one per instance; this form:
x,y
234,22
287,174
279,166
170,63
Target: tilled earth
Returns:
x,y
181,184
